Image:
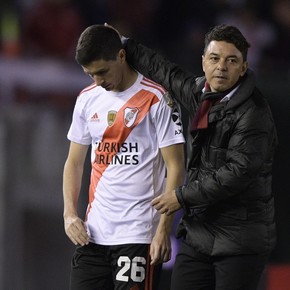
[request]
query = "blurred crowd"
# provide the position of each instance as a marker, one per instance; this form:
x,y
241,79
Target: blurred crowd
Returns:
x,y
49,29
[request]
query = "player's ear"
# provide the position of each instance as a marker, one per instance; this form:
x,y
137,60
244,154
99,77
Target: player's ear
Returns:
x,y
122,55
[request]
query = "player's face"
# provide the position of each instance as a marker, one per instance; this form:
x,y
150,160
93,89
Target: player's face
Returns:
x,y
223,65
107,74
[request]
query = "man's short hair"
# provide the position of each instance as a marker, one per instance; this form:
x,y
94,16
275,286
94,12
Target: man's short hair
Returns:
x,y
230,34
97,42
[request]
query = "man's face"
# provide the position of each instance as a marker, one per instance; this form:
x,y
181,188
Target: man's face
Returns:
x,y
107,74
223,65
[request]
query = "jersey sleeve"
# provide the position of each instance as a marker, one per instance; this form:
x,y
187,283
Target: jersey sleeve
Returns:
x,y
168,122
78,131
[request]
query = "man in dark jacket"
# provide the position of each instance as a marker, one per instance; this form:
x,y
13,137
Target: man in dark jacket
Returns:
x,y
228,225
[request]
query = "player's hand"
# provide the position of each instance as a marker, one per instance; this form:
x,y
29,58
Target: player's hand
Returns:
x,y
160,248
166,203
76,230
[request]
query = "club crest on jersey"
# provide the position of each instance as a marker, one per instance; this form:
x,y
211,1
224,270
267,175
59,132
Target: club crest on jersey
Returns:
x,y
130,115
111,117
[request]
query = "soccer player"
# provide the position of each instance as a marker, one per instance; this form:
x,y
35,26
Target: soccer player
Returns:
x,y
136,139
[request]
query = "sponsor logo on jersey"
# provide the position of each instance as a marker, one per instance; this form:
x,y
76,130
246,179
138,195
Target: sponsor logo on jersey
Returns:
x,y
116,153
111,117
95,117
130,115
176,119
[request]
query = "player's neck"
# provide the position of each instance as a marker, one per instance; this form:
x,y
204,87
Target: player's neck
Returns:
x,y
129,77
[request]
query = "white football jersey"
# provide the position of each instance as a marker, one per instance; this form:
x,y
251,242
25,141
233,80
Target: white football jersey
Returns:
x,y
126,130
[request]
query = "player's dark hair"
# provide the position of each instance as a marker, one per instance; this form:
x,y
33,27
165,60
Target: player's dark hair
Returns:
x,y
230,34
97,42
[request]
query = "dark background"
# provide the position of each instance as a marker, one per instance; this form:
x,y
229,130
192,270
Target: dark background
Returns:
x,y
39,82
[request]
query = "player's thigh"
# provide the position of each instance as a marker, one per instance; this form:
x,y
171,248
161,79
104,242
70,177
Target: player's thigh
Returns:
x,y
192,270
242,272
91,269
132,269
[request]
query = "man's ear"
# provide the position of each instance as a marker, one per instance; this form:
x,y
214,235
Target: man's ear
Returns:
x,y
122,55
244,68
202,62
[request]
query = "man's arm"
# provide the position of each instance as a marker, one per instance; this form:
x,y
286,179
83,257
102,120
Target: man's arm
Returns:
x,y
72,180
179,82
173,156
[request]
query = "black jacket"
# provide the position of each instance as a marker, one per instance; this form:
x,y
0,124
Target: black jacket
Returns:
x,y
228,201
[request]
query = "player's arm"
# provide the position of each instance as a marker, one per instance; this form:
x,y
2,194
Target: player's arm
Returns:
x,y
173,156
72,180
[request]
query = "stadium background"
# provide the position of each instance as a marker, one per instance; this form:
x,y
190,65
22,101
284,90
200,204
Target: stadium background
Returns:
x,y
39,82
